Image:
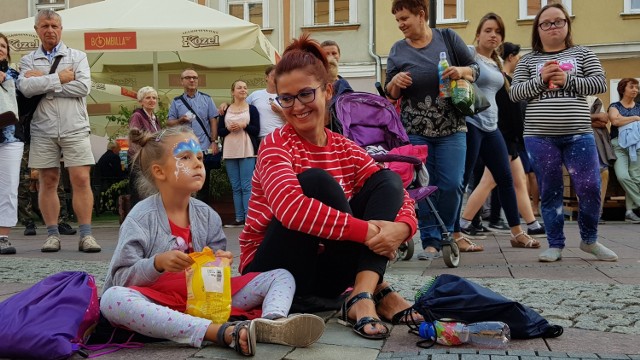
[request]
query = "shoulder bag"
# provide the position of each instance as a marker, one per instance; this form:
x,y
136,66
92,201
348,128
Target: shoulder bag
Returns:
x,y
211,161
27,107
480,102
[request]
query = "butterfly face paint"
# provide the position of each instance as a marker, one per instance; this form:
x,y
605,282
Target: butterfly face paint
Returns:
x,y
184,152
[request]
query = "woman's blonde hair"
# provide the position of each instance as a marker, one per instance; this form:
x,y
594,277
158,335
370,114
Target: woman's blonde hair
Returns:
x,y
153,150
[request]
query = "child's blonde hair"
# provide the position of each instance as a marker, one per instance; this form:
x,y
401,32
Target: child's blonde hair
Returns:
x,y
153,150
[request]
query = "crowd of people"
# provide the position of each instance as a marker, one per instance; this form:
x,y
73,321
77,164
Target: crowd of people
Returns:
x,y
320,218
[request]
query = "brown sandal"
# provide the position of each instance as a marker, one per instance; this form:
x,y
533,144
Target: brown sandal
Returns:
x,y
530,244
470,246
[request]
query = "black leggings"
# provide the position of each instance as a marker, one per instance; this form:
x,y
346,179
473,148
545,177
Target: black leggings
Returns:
x,y
322,267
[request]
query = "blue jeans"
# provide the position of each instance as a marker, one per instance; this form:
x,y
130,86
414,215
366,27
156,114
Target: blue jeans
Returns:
x,y
445,165
240,172
579,155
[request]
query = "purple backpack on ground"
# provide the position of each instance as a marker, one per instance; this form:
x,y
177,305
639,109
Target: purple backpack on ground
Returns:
x,y
50,320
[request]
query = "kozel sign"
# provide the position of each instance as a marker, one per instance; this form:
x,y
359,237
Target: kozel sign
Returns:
x,y
200,38
23,42
110,41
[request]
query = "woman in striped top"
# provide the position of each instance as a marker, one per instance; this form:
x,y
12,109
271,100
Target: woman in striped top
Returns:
x,y
320,207
555,79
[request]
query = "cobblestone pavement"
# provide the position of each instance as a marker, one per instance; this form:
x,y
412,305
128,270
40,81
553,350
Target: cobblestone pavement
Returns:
x,y
598,303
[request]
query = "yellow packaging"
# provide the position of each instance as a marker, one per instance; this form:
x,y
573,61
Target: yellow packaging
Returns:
x,y
209,287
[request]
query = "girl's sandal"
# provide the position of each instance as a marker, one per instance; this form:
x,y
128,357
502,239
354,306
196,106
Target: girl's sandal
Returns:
x,y
529,243
235,336
359,325
402,317
469,246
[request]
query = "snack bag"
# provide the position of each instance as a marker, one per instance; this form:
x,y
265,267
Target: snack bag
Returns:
x,y
209,287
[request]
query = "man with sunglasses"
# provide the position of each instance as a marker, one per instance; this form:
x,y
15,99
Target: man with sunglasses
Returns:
x,y
197,109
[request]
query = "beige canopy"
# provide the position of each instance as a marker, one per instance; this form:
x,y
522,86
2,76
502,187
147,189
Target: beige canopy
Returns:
x,y
135,43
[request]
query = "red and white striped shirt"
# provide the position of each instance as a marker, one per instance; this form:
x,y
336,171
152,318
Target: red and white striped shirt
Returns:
x,y
277,193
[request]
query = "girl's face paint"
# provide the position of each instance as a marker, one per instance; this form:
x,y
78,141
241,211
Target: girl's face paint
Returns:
x,y
188,157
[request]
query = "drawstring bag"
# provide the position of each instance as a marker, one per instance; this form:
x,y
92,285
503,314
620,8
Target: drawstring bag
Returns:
x,y
453,297
50,320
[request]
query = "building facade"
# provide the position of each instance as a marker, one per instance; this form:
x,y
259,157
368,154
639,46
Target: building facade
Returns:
x,y
610,28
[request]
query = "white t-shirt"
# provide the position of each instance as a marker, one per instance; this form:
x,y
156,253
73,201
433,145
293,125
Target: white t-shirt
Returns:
x,y
269,120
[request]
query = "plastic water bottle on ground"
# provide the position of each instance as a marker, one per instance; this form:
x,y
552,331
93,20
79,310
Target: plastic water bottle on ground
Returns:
x,y
486,334
445,84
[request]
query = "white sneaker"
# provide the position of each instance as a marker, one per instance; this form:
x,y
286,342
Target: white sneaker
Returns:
x,y
600,251
550,255
299,330
52,244
89,244
631,217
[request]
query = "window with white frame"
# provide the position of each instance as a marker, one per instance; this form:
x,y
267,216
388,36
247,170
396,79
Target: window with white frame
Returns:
x,y
255,11
201,2
37,5
529,8
450,11
330,12
632,6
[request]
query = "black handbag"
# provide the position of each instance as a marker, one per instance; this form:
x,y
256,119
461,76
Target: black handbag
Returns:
x,y
27,107
480,102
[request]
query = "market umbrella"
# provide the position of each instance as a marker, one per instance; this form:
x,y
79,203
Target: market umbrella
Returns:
x,y
134,43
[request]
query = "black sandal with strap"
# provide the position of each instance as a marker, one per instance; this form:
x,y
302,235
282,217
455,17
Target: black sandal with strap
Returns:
x,y
358,326
235,336
402,317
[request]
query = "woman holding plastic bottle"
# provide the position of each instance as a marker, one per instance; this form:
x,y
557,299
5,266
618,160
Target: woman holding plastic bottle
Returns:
x,y
412,73
555,78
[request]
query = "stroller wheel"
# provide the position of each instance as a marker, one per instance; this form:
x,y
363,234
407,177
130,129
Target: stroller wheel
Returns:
x,y
451,254
405,251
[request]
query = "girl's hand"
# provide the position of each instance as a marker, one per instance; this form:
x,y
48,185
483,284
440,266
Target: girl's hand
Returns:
x,y
225,254
172,261
2,76
389,238
452,72
559,79
402,80
549,69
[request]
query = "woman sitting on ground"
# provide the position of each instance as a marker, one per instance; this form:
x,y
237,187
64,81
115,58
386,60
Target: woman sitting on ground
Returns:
x,y
145,290
321,207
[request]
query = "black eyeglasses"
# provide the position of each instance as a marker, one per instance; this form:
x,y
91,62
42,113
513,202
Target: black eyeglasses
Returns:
x,y
558,24
305,96
190,77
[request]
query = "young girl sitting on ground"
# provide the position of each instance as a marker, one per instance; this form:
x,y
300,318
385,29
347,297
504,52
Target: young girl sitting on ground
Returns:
x,y
145,289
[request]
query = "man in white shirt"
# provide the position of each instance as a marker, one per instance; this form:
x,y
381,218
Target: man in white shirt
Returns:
x,y
265,101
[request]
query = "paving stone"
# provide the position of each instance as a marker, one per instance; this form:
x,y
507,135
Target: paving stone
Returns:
x,y
534,358
263,351
613,356
556,354
492,352
433,351
582,355
475,357
457,350
337,334
503,357
445,357
385,355
521,352
329,352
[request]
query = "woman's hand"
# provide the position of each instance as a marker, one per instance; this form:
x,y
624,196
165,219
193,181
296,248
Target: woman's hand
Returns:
x,y
402,80
225,254
234,126
388,239
172,261
453,73
553,74
2,76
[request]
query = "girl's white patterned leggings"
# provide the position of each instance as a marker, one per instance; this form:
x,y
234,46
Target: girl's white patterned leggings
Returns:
x,y
128,308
